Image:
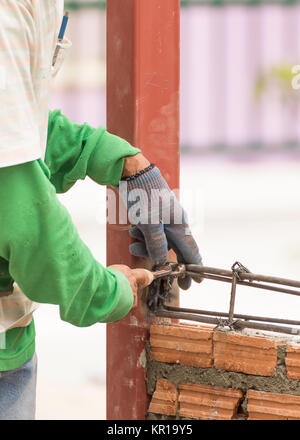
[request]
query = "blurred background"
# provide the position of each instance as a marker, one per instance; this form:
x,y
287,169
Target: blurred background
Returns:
x,y
240,171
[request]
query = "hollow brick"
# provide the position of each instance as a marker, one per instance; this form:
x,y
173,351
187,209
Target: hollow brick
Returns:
x,y
270,406
183,344
165,398
208,402
292,362
245,354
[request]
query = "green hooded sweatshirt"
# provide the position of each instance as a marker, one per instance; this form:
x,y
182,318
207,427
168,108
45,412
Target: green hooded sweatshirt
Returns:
x,y
40,248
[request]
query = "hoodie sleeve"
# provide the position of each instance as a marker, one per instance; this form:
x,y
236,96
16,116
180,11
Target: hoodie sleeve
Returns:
x,y
75,151
46,256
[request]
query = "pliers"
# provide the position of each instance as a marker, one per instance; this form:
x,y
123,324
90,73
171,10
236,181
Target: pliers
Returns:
x,y
170,270
160,288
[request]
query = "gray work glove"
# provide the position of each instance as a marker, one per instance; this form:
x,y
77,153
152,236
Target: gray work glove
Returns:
x,y
160,221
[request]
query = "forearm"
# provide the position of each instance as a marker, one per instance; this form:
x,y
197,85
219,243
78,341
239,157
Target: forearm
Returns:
x,y
47,258
75,151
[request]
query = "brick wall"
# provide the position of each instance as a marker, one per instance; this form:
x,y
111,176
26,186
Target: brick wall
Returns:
x,y
200,372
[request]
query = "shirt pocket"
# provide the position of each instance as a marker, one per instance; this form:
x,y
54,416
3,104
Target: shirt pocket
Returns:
x,y
64,49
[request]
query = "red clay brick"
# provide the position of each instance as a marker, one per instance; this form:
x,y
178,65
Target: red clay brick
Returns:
x,y
164,399
184,344
244,354
207,402
271,406
292,362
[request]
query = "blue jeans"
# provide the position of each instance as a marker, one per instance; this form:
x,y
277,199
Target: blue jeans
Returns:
x,y
18,392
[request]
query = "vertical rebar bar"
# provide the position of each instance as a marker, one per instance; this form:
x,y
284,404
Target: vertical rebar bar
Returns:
x,y
232,298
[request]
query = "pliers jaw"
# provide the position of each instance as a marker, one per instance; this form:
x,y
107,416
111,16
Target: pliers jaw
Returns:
x,y
170,269
160,288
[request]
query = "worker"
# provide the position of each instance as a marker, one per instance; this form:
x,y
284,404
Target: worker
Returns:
x,y
42,153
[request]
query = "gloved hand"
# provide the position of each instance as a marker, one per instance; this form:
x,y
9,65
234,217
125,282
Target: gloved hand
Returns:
x,y
160,221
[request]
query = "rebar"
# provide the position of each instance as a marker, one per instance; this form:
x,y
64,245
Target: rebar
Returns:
x,y
238,275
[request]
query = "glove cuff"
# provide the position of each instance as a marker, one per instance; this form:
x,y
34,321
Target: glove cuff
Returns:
x,y
148,179
138,174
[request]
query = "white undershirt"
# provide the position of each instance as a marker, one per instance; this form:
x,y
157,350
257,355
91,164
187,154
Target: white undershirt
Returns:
x,y
28,36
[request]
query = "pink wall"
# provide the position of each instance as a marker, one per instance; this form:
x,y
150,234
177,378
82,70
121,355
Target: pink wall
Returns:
x,y
223,49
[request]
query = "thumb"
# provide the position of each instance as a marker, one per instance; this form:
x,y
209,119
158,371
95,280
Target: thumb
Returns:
x,y
143,277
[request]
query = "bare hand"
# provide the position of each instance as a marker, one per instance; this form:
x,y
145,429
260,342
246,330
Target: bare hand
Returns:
x,y
138,278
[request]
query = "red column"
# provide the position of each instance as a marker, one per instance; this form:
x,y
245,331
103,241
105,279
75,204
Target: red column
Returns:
x,y
142,107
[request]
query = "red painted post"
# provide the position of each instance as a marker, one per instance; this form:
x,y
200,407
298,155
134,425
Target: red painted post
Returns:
x,y
143,65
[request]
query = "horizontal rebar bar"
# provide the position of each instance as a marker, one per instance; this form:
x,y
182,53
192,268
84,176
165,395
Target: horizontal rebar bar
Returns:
x,y
222,322
236,315
247,283
242,275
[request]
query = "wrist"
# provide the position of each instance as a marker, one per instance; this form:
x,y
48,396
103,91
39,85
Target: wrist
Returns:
x,y
134,164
